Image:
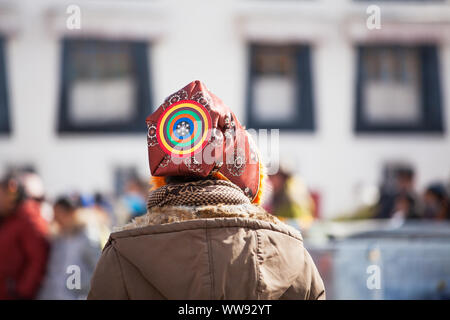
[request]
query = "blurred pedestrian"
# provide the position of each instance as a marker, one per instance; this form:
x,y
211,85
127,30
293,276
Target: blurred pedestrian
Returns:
x,y
134,198
23,242
291,198
397,190
204,235
104,207
436,202
405,208
74,247
34,189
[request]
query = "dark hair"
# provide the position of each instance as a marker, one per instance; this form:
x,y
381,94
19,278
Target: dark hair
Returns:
x,y
67,203
405,173
13,178
438,190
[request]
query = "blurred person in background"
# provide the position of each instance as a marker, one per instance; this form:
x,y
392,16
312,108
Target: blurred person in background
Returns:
x,y
134,198
398,194
290,198
23,241
436,203
74,243
92,214
34,189
103,205
405,207
97,219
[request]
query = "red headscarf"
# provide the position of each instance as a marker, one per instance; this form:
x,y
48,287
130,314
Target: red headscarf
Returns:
x,y
194,134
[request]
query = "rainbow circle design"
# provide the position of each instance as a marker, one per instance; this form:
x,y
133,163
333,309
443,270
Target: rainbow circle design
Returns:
x,y
184,128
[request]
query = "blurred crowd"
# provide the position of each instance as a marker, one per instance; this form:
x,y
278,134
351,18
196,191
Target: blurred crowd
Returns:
x,y
49,250
399,200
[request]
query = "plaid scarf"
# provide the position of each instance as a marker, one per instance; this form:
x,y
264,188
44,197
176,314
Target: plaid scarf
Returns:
x,y
197,193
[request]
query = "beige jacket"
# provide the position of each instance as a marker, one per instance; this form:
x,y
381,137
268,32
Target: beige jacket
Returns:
x,y
178,253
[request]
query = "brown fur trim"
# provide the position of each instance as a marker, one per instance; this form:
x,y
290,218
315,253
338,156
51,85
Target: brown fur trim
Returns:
x,y
162,215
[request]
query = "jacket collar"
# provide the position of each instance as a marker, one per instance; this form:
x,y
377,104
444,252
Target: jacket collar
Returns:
x,y
174,219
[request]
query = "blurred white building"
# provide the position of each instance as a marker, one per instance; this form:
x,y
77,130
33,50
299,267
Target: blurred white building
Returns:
x,y
347,98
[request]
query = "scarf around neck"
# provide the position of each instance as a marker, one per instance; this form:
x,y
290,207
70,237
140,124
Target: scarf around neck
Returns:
x,y
197,193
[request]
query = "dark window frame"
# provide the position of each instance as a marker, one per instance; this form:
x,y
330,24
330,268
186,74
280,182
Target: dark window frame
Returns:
x,y
5,125
140,55
431,95
305,120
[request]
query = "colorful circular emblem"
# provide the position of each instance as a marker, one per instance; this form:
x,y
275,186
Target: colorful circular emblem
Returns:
x,y
184,128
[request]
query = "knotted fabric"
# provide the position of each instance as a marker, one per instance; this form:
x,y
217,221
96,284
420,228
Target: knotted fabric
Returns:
x,y
197,193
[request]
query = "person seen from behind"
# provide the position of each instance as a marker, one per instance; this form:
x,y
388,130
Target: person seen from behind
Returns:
x,y
397,195
436,202
204,235
75,250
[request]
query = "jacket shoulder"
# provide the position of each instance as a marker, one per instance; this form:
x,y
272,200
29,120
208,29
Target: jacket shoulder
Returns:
x,y
208,223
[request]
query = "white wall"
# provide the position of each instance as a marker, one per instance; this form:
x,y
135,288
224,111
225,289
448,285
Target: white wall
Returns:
x,y
206,40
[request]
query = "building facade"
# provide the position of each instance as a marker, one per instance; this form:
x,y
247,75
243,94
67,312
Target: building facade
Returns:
x,y
347,97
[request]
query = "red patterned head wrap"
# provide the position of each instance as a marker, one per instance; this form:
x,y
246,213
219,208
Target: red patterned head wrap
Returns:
x,y
194,134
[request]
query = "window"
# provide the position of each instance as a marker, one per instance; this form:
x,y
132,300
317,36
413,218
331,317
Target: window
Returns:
x,y
4,113
105,86
280,88
398,89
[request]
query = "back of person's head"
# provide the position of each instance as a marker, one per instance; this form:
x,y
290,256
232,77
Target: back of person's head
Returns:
x,y
437,190
33,185
436,201
193,136
67,203
66,213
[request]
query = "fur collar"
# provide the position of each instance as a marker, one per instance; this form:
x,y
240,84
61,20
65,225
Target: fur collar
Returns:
x,y
162,215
